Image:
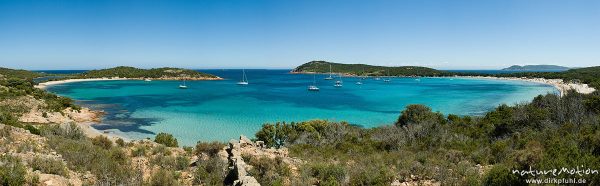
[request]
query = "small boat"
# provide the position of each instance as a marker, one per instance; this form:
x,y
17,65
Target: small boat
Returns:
x,y
183,86
314,86
388,79
338,84
360,78
147,80
244,78
330,74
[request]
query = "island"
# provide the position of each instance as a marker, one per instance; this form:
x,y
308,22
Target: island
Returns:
x,y
366,70
536,68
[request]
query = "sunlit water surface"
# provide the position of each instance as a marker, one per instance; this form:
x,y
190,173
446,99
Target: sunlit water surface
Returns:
x,y
221,110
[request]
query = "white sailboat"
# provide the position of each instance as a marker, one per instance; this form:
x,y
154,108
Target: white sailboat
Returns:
x,y
183,86
244,78
330,74
314,86
360,78
338,83
388,79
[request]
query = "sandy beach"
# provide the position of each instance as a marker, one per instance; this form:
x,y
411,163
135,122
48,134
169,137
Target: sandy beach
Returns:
x,y
44,85
559,84
50,83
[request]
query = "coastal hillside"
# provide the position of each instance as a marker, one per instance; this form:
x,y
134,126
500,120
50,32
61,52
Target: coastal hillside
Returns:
x,y
23,74
44,140
588,75
536,68
423,147
366,70
155,73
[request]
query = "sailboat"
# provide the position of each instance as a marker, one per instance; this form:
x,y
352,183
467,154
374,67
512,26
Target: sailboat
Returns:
x,y
314,86
330,74
338,83
388,79
244,78
183,86
360,78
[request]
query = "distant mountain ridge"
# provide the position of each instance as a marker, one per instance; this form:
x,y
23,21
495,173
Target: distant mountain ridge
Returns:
x,y
537,67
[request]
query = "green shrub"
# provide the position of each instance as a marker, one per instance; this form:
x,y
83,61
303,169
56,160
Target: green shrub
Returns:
x,y
163,177
188,150
171,162
166,139
109,166
120,142
210,172
329,173
69,131
32,129
161,149
268,171
416,114
500,175
12,172
102,141
209,148
139,151
49,166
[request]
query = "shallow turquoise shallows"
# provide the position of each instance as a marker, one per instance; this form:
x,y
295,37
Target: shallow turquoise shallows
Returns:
x,y
221,110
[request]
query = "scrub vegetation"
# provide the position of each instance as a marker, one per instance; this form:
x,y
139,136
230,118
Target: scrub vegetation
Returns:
x,y
423,146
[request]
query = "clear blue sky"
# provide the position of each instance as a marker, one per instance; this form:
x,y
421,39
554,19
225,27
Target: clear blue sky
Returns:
x,y
448,34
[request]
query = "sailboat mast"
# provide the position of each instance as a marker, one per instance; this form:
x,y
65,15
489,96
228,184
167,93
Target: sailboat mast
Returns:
x,y
243,75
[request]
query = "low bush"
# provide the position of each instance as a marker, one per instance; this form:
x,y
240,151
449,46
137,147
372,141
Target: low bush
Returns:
x,y
49,166
209,148
163,177
210,172
12,172
102,141
166,139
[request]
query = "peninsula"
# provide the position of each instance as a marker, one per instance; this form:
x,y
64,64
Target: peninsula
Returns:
x,y
126,73
581,80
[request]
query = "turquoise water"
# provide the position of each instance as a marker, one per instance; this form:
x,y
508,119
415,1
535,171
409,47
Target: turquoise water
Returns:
x,y
221,110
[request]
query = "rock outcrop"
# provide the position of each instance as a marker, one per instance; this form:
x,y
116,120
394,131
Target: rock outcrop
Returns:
x,y
237,165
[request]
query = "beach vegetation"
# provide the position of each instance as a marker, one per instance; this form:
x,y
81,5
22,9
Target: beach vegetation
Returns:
x,y
120,142
102,141
166,139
